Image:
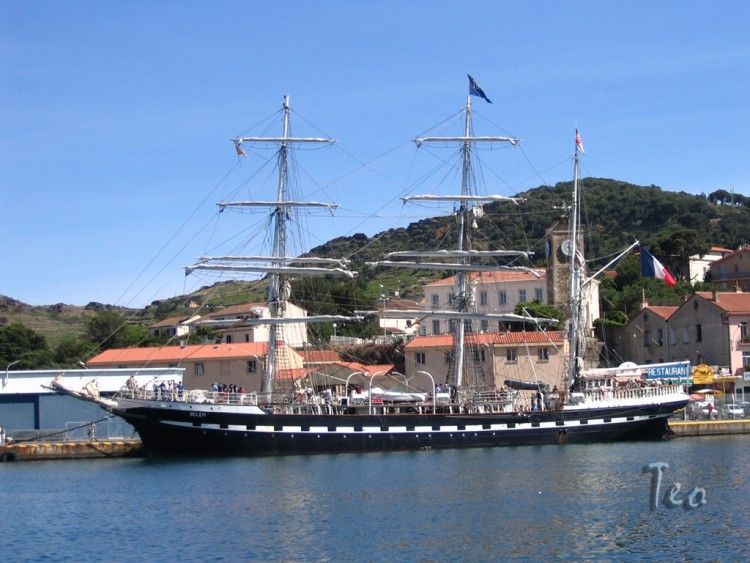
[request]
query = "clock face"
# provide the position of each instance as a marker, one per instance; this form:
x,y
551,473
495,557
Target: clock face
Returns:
x,y
566,247
548,248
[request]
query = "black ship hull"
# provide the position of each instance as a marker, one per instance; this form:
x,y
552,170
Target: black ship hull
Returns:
x,y
211,432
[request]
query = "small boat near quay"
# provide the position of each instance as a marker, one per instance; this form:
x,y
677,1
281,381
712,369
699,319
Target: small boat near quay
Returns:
x,y
456,411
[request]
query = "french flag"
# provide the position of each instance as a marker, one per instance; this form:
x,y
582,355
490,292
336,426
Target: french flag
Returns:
x,y
652,268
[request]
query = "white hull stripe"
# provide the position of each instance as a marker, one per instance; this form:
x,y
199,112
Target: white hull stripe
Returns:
x,y
476,428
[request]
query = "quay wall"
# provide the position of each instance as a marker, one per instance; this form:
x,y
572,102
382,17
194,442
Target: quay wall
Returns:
x,y
687,428
34,451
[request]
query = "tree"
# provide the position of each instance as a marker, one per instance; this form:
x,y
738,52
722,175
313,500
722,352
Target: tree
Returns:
x,y
20,344
538,310
72,350
111,330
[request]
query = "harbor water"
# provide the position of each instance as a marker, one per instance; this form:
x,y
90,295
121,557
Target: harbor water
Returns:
x,y
529,503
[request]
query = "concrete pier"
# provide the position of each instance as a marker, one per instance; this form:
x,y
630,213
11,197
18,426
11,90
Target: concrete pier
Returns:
x,y
689,428
34,451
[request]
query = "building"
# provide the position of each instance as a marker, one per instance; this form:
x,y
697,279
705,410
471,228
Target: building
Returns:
x,y
648,338
732,271
172,327
492,292
399,317
244,323
697,267
708,328
494,357
241,364
30,409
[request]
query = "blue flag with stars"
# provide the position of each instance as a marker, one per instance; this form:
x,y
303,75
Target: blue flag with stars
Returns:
x,y
476,90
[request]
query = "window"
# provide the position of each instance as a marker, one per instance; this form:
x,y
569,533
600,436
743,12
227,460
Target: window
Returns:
x,y
746,360
420,358
685,335
229,338
539,294
435,327
483,298
452,326
485,325
199,369
672,336
252,366
660,337
521,295
743,331
435,300
698,333
448,357
503,297
647,338
510,355
543,354
479,356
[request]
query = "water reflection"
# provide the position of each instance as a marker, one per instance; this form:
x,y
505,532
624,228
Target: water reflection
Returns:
x,y
573,502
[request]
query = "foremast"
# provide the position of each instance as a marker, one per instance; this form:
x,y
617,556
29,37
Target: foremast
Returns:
x,y
278,266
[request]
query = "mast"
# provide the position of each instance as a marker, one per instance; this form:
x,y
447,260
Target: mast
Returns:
x,y
279,266
575,297
461,257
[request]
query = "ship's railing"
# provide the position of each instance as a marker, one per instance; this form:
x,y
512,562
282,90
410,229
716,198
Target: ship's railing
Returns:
x,y
607,395
192,396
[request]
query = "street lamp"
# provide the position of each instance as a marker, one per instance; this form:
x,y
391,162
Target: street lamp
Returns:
x,y
7,368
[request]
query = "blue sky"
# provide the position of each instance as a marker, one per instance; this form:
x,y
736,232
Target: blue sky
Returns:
x,y
115,118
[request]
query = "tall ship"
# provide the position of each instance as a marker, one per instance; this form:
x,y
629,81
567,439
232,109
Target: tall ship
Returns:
x,y
456,408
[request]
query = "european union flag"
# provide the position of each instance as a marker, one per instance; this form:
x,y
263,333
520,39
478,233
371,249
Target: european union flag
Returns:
x,y
476,90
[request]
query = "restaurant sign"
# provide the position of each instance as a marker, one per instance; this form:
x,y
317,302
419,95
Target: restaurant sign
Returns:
x,y
673,370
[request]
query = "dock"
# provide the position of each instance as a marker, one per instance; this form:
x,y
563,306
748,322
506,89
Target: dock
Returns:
x,y
77,449
691,428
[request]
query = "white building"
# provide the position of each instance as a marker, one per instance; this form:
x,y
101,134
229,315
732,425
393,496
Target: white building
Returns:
x,y
235,324
491,292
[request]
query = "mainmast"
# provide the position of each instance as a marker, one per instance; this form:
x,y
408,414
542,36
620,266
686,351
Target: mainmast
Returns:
x,y
279,265
461,257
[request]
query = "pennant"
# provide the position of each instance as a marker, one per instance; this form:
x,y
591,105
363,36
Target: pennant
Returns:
x,y
579,143
239,150
652,268
476,90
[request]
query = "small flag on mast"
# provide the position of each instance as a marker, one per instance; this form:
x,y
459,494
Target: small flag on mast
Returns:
x,y
579,143
652,268
476,90
239,150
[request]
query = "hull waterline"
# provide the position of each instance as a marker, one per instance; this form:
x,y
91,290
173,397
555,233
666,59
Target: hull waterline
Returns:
x,y
202,433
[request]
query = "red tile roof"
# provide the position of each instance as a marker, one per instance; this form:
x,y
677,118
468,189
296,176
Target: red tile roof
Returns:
x,y
491,338
171,321
180,353
729,301
236,310
316,356
382,368
728,257
663,312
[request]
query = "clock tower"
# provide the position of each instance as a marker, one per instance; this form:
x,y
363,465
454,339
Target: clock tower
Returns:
x,y
557,249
